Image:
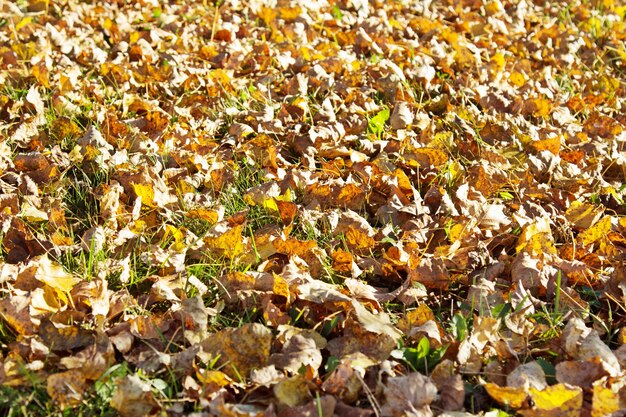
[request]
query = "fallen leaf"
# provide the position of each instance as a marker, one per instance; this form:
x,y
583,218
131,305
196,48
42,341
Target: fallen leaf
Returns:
x,y
596,232
53,275
292,392
67,388
408,395
134,398
60,337
513,397
375,323
239,351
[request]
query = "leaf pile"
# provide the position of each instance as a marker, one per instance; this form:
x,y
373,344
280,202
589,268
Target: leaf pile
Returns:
x,y
326,208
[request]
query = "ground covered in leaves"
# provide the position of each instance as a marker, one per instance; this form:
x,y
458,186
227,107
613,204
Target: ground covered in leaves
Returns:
x,y
282,208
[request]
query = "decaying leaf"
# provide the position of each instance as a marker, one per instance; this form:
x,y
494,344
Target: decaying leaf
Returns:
x,y
409,395
255,209
239,351
134,397
67,388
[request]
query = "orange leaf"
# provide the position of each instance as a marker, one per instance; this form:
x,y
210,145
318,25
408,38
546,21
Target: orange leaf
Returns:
x,y
507,396
551,144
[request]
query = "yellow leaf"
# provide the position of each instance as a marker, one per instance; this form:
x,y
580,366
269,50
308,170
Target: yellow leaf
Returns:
x,y
289,13
138,226
599,230
211,380
53,275
456,232
285,197
23,22
177,234
536,238
146,192
64,128
538,107
229,243
566,401
416,318
517,79
222,78
134,37
499,61
551,144
605,400
270,205
358,239
280,286
183,187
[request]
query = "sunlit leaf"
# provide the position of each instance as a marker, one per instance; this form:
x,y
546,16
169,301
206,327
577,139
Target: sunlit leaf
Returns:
x,y
596,232
507,396
53,275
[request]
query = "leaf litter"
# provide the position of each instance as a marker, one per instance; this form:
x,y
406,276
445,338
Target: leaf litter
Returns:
x,y
325,208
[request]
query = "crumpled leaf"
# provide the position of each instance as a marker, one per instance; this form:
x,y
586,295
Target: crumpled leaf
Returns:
x,y
14,310
299,351
134,398
526,376
409,395
67,388
375,323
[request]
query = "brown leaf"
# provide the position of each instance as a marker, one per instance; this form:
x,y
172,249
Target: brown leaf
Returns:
x,y
67,388
344,383
134,398
240,350
319,407
60,337
293,391
412,394
297,352
377,346
14,310
579,373
429,271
